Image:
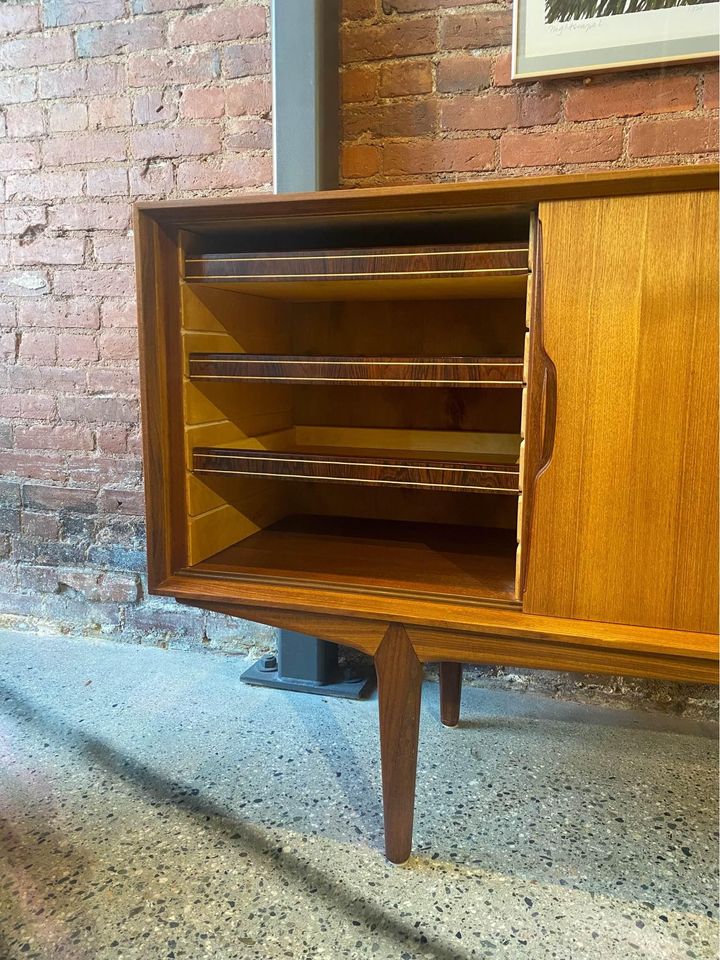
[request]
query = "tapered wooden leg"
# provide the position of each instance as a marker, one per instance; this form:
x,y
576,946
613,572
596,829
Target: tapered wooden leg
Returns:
x,y
450,689
399,674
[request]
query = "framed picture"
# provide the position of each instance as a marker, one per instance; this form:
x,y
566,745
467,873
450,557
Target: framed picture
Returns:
x,y
554,37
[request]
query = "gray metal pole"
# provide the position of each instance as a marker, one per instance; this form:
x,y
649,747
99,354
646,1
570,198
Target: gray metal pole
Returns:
x,y
305,61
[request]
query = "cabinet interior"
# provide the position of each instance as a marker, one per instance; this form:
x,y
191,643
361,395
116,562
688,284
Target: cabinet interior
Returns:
x,y
362,431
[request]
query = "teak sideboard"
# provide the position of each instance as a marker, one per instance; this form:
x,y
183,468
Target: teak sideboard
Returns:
x,y
463,423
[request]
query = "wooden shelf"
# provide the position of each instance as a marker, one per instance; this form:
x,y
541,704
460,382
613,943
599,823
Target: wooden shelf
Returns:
x,y
499,269
497,473
382,371
469,563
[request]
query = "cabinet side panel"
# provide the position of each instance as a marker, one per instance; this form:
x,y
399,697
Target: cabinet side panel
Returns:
x,y
157,270
625,515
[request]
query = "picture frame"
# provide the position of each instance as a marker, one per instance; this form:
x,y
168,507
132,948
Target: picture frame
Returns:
x,y
565,37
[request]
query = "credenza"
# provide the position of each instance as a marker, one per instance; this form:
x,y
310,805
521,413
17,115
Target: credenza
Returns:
x,y
465,423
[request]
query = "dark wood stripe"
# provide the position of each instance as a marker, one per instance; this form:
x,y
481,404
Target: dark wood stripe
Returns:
x,y
375,470
428,371
500,258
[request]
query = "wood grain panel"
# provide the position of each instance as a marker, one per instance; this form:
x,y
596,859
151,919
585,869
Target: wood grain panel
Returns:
x,y
625,515
392,468
381,371
453,261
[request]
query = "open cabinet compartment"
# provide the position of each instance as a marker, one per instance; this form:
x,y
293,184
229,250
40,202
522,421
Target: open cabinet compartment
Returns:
x,y
359,422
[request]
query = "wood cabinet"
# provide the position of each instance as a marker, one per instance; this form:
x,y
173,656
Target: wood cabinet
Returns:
x,y
472,423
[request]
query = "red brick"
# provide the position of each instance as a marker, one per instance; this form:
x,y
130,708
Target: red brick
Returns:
x,y
109,112
438,156
119,313
25,120
176,142
662,138
128,502
118,588
631,98
76,313
406,38
37,346
358,9
360,160
44,526
19,88
184,66
98,409
90,215
502,74
203,103
113,381
8,346
65,117
33,467
560,147
63,82
218,26
119,282
79,79
20,218
68,13
359,84
84,148
76,346
463,72
28,406
248,133
37,51
18,18
404,119
405,78
48,249
19,156
62,436
710,90
489,111
43,186
111,438
118,345
46,497
155,106
113,248
107,182
233,172
7,314
151,179
246,60
124,36
251,97
473,31
23,283
539,106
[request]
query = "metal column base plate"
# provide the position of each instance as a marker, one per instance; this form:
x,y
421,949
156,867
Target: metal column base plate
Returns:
x,y
351,687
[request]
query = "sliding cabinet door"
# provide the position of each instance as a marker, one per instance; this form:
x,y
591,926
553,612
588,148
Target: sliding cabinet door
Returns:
x,y
625,516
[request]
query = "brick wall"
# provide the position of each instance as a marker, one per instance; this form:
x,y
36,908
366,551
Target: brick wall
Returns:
x,y
103,102
428,96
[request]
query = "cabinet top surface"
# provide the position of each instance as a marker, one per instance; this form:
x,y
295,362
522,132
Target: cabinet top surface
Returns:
x,y
519,192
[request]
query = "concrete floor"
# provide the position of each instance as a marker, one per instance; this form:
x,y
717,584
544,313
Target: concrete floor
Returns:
x,y
153,807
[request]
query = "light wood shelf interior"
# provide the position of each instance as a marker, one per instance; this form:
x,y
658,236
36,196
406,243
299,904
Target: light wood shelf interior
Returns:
x,y
297,476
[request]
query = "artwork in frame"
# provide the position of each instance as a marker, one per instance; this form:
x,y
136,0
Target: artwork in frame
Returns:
x,y
555,37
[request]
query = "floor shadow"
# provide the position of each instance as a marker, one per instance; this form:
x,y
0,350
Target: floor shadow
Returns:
x,y
212,815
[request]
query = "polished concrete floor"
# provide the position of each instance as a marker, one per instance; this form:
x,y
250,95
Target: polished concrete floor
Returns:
x,y
151,806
